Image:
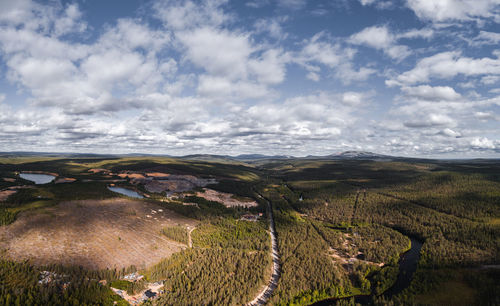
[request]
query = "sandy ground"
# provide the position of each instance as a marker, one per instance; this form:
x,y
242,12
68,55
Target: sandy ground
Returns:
x,y
110,233
225,198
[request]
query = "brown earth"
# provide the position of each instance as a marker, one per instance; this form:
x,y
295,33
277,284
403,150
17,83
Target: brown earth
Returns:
x,y
169,185
131,175
63,180
97,170
157,174
111,233
225,198
4,194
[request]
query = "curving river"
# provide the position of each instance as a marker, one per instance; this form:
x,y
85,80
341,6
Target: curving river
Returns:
x,y
407,266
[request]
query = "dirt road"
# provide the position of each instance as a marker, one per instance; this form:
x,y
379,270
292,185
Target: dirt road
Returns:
x,y
267,292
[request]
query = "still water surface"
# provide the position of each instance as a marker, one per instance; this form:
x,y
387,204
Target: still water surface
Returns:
x,y
37,178
127,192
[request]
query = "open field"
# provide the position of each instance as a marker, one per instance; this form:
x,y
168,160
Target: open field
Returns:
x,y
96,234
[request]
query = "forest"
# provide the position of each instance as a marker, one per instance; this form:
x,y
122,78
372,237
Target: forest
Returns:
x,y
341,226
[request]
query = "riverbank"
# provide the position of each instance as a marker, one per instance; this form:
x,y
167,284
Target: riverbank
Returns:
x,y
407,266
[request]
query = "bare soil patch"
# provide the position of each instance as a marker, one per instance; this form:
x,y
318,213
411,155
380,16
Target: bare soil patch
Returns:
x,y
96,234
227,199
4,194
63,180
157,174
131,175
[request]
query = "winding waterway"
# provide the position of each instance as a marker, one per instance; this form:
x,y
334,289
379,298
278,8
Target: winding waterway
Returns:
x,y
127,192
407,267
37,178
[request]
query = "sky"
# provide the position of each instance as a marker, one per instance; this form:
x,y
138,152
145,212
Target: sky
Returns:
x,y
295,77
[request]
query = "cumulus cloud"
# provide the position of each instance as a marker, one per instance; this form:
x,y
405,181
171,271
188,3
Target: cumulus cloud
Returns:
x,y
450,133
271,26
446,65
483,143
431,93
182,15
454,10
430,120
194,76
319,54
487,38
381,38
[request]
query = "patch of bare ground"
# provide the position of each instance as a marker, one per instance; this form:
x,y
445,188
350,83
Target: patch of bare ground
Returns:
x,y
95,234
131,175
343,256
157,174
227,199
169,185
7,192
62,180
4,194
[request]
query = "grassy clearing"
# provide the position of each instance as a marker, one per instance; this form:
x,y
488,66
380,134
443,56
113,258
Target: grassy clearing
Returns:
x,y
231,233
177,233
454,292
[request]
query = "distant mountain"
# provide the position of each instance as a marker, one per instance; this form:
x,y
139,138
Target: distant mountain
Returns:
x,y
346,155
260,156
360,155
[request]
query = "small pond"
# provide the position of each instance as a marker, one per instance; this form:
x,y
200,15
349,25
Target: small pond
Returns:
x,y
37,178
127,192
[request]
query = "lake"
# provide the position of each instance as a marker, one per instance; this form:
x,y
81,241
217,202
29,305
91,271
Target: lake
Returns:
x,y
37,178
127,192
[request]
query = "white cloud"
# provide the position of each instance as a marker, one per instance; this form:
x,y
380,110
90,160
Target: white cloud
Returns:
x,y
425,33
354,98
430,120
379,37
182,15
270,67
318,52
431,93
487,38
450,133
323,52
483,143
292,4
272,27
203,48
454,10
447,65
490,79
485,116
380,4
203,79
